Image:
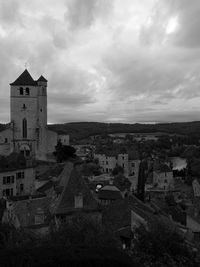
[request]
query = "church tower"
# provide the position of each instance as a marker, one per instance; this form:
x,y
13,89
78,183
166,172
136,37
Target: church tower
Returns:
x,y
28,113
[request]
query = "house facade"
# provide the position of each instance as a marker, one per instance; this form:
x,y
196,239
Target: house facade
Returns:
x,y
27,132
163,177
130,166
17,182
75,198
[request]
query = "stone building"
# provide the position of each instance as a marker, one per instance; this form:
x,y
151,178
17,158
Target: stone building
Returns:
x,y
17,176
108,162
163,177
27,132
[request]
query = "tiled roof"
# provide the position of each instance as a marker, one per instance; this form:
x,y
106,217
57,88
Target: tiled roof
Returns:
x,y
26,210
42,79
44,172
24,79
48,185
109,192
162,168
118,214
75,184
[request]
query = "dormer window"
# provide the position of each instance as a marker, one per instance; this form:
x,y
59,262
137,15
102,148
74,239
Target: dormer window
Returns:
x,y
21,91
27,91
78,200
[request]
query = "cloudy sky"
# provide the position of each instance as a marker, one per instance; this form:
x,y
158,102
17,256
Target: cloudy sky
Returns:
x,y
105,60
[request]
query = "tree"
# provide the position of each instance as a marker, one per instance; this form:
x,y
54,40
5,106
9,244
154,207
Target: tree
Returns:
x,y
161,245
90,168
118,170
121,182
64,152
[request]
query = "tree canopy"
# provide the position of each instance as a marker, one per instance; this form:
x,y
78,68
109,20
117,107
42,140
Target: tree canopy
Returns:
x,y
63,152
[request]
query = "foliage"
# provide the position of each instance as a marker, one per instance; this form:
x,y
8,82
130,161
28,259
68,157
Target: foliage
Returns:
x,y
161,246
121,182
118,170
90,168
64,152
81,242
191,152
84,232
80,130
10,237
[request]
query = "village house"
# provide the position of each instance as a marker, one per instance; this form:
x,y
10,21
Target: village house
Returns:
x,y
30,213
27,131
108,162
17,176
108,194
75,197
163,176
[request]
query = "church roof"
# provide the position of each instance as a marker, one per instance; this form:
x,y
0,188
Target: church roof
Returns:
x,y
42,79
24,79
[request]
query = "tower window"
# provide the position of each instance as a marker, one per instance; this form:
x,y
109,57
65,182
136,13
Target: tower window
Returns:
x,y
6,140
21,91
24,128
27,91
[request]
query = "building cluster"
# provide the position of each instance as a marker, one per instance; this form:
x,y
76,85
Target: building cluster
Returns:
x,y
27,131
102,185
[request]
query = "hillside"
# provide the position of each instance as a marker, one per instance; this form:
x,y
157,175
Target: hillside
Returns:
x,y
80,130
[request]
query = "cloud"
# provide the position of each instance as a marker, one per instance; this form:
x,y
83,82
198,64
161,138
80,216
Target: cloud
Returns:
x,y
105,60
82,14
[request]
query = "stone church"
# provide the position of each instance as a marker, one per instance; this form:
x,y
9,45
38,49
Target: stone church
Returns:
x,y
27,131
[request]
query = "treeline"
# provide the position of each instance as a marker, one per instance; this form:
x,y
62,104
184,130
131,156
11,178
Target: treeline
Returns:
x,y
83,242
81,130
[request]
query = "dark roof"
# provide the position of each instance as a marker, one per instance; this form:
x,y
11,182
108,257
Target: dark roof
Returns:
x,y
48,185
42,79
26,210
75,185
26,197
118,214
24,79
109,192
44,172
162,168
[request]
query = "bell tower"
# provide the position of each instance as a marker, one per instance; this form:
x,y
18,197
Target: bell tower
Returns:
x,y
28,114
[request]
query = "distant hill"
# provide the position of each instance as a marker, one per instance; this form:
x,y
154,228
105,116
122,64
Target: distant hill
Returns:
x,y
81,130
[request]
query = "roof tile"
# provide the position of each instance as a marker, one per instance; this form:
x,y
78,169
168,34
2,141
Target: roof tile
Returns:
x,y
24,79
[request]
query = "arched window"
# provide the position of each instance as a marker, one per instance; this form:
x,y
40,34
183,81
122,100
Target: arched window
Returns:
x,y
27,91
24,128
21,91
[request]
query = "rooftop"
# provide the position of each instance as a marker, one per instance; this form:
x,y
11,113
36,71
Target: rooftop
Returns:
x,y
74,185
42,79
162,168
109,192
26,79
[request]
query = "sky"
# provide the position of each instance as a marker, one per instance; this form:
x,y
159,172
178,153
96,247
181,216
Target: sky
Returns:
x,y
105,60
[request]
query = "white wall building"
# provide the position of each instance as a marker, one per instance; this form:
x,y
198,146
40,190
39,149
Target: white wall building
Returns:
x,y
130,166
28,132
